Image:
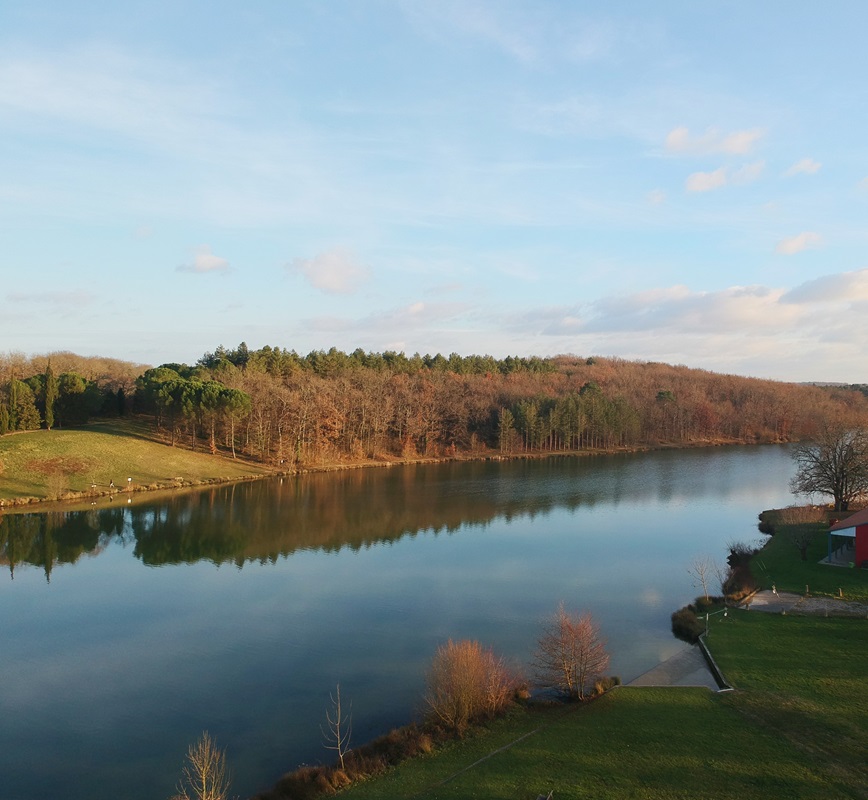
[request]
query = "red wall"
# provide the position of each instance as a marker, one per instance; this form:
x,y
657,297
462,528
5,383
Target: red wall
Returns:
x,y
861,545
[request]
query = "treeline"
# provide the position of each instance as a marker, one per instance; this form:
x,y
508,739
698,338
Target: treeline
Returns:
x,y
279,407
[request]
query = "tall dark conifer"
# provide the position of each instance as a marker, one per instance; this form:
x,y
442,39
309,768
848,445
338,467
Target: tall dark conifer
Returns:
x,y
51,392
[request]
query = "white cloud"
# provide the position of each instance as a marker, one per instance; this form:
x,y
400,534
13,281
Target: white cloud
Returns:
x,y
680,141
748,173
706,181
807,166
333,271
846,287
205,261
796,244
656,197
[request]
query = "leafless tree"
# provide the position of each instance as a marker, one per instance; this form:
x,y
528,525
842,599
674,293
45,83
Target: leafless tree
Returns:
x,y
205,775
836,465
570,654
339,726
466,682
702,569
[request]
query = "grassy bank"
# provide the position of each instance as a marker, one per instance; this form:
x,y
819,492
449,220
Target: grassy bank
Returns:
x,y
54,464
780,563
795,728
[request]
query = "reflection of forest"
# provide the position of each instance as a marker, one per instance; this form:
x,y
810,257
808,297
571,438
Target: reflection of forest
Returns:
x,y
264,520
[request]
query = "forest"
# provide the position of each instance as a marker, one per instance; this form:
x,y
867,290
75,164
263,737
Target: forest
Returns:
x,y
330,407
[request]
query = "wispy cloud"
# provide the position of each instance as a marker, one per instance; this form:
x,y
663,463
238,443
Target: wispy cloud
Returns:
x,y
796,244
656,197
807,166
706,181
204,261
334,271
527,34
680,141
71,298
844,287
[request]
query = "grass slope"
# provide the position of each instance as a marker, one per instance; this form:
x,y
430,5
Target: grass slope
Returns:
x,y
796,728
779,563
49,464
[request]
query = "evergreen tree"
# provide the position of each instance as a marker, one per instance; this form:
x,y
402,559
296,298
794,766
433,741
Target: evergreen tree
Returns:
x,y
4,419
51,392
26,413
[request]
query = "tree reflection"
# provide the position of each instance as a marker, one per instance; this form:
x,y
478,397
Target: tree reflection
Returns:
x,y
265,520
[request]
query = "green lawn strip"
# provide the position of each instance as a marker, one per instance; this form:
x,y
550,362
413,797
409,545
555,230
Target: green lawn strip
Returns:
x,y
640,743
780,563
802,678
795,727
46,463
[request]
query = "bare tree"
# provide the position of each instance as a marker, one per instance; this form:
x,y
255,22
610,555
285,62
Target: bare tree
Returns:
x,y
466,682
570,654
339,727
836,465
205,775
802,537
702,569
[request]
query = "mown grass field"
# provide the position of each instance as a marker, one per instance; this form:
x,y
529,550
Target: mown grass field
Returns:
x,y
796,728
49,464
780,563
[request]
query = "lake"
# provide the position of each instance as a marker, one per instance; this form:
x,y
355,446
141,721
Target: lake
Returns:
x,y
127,630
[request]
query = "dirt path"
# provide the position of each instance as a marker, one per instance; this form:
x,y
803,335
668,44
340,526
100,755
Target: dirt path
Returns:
x,y
788,603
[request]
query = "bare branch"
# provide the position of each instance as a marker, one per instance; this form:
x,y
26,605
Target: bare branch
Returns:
x,y
570,654
339,728
205,775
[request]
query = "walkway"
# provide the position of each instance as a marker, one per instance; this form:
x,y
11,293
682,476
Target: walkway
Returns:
x,y
687,668
789,603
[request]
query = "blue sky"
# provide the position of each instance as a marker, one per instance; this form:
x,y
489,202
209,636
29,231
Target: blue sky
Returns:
x,y
673,181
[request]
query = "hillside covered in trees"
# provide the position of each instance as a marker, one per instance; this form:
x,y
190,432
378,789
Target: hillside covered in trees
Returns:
x,y
327,407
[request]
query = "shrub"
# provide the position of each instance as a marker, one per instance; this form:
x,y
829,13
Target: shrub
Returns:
x,y
686,625
802,515
466,683
602,685
739,583
703,604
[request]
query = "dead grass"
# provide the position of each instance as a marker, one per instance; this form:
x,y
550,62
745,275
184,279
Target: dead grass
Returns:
x,y
65,463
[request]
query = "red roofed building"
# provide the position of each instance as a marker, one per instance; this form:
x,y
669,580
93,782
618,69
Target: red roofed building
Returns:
x,y
854,527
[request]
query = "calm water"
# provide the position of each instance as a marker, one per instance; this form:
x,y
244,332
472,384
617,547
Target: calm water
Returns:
x,y
238,609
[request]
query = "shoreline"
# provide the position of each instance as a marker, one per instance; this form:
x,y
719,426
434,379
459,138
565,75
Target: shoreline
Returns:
x,y
84,500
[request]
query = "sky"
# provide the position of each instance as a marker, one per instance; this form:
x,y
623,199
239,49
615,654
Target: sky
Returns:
x,y
673,181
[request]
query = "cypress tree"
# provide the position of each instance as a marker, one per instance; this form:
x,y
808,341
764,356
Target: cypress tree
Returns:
x,y
4,419
13,405
51,392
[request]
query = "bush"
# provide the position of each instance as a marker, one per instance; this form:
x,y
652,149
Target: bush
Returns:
x,y
602,685
802,515
703,604
466,683
739,583
686,625
765,524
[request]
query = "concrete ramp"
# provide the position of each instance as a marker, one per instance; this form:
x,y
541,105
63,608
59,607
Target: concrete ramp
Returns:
x,y
687,668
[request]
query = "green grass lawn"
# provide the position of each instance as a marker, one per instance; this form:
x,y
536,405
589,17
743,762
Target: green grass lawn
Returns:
x,y
46,464
796,728
780,563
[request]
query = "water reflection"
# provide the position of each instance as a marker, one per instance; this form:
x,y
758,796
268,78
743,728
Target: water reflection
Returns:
x,y
270,519
114,667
